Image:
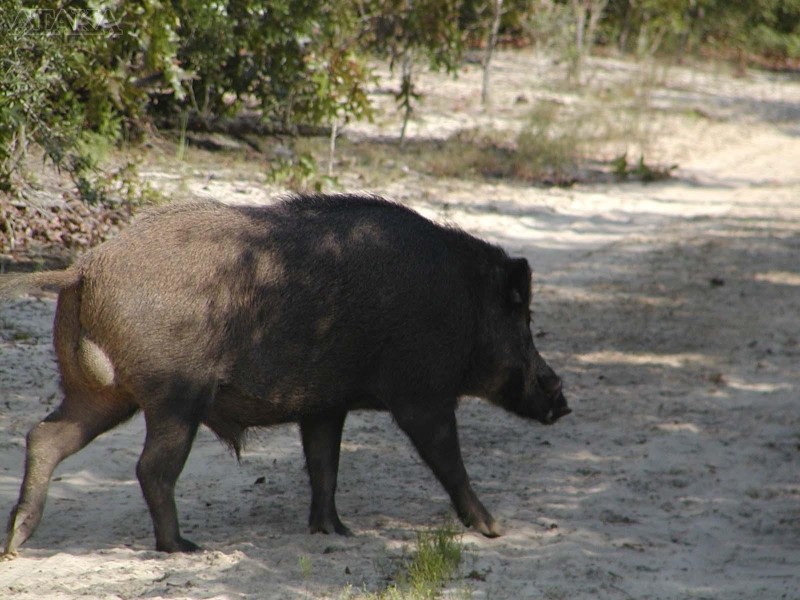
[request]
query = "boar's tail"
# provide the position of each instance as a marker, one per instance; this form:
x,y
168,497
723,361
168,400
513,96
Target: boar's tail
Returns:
x,y
17,284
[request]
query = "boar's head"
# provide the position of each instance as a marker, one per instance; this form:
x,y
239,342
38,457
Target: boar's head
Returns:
x,y
513,373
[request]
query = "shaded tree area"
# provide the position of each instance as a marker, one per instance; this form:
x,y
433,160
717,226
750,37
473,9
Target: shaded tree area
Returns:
x,y
767,29
78,75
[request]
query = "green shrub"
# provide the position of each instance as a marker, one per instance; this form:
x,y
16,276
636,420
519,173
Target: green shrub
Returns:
x,y
71,75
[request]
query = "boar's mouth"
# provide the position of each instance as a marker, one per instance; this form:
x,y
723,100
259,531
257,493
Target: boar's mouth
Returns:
x,y
558,409
546,405
557,406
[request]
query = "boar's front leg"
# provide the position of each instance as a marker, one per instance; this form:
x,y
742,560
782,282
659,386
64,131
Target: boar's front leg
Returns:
x,y
322,437
435,436
169,438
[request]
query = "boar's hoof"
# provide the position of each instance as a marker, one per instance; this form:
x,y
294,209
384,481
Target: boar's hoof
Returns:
x,y
490,529
178,545
21,524
330,527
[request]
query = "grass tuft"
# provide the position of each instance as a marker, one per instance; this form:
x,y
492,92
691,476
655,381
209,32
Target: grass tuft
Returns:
x,y
434,562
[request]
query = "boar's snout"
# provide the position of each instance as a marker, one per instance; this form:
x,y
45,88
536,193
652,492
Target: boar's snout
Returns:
x,y
555,405
536,394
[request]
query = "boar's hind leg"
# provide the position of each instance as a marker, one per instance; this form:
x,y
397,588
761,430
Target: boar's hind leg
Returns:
x,y
78,420
436,439
321,442
169,438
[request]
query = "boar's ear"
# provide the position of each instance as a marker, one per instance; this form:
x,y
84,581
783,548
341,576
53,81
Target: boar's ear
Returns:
x,y
518,282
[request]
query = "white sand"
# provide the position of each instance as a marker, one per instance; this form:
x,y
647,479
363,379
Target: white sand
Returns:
x,y
676,476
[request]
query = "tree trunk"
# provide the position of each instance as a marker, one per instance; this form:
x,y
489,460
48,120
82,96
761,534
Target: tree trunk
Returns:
x,y
625,31
406,91
332,147
579,9
490,45
597,8
587,16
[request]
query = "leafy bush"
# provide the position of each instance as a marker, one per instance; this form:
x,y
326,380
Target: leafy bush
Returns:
x,y
293,61
70,75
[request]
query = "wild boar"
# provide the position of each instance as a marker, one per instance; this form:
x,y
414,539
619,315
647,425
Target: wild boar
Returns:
x,y
239,317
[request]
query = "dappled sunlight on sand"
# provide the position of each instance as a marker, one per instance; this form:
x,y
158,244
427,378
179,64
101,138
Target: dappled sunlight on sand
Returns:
x,y
779,277
673,427
674,361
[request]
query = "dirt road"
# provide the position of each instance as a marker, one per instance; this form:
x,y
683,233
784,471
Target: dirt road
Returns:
x,y
671,309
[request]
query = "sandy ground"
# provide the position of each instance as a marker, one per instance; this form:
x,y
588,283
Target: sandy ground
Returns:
x,y
670,309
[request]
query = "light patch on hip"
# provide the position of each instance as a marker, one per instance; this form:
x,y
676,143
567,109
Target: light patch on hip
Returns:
x,y
95,364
